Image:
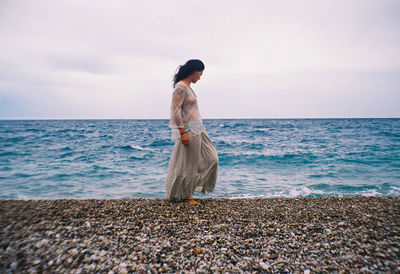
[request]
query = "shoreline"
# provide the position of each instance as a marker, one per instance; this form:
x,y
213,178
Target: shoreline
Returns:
x,y
222,234
201,198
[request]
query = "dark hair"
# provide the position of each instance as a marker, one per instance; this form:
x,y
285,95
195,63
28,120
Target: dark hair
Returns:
x,y
187,69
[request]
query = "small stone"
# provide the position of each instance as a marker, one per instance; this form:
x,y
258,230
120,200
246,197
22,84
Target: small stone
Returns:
x,y
14,266
93,257
41,243
307,271
122,265
73,252
345,258
8,229
36,262
264,265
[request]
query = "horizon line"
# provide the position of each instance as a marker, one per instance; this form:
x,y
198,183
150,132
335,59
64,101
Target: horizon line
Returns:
x,y
232,118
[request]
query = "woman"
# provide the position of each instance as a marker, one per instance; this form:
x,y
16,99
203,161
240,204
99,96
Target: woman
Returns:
x,y
194,160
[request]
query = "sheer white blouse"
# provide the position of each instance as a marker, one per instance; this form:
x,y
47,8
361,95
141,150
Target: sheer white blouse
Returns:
x,y
184,111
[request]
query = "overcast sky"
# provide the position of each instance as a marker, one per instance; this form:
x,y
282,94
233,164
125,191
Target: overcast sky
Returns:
x,y
264,59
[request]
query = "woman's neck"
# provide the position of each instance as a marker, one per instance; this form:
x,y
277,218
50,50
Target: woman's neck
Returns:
x,y
187,82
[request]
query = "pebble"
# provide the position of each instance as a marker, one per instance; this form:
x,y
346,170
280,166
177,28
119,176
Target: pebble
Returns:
x,y
345,258
91,267
14,266
73,252
235,235
264,266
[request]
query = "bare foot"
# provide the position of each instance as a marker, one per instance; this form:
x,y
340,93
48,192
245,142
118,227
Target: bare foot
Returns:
x,y
192,202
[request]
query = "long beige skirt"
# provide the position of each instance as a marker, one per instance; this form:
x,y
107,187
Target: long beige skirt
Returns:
x,y
193,167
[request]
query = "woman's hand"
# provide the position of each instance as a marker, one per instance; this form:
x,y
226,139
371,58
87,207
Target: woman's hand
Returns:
x,y
184,138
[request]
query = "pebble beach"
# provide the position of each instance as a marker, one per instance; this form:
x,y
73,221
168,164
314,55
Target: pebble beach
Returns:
x,y
301,235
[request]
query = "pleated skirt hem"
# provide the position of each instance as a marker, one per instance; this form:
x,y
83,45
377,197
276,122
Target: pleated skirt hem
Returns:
x,y
192,168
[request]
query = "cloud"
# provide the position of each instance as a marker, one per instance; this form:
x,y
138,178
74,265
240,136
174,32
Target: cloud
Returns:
x,y
101,59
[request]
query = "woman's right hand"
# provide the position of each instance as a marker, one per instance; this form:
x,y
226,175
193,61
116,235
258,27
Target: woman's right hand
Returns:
x,y
185,138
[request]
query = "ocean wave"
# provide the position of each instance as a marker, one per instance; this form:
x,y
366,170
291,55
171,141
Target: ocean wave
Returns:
x,y
137,158
239,145
67,154
263,130
161,143
66,148
17,139
11,153
314,191
322,175
251,158
106,136
6,168
74,176
98,167
34,130
23,175
134,147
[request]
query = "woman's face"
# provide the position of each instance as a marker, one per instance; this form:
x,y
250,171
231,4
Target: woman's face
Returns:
x,y
196,76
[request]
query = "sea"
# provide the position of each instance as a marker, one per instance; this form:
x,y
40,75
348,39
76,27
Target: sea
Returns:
x,y
107,159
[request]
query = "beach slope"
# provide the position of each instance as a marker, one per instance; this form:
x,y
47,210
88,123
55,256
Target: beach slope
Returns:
x,y
142,235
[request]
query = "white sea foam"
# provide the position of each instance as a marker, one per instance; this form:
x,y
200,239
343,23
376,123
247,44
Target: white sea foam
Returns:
x,y
141,148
